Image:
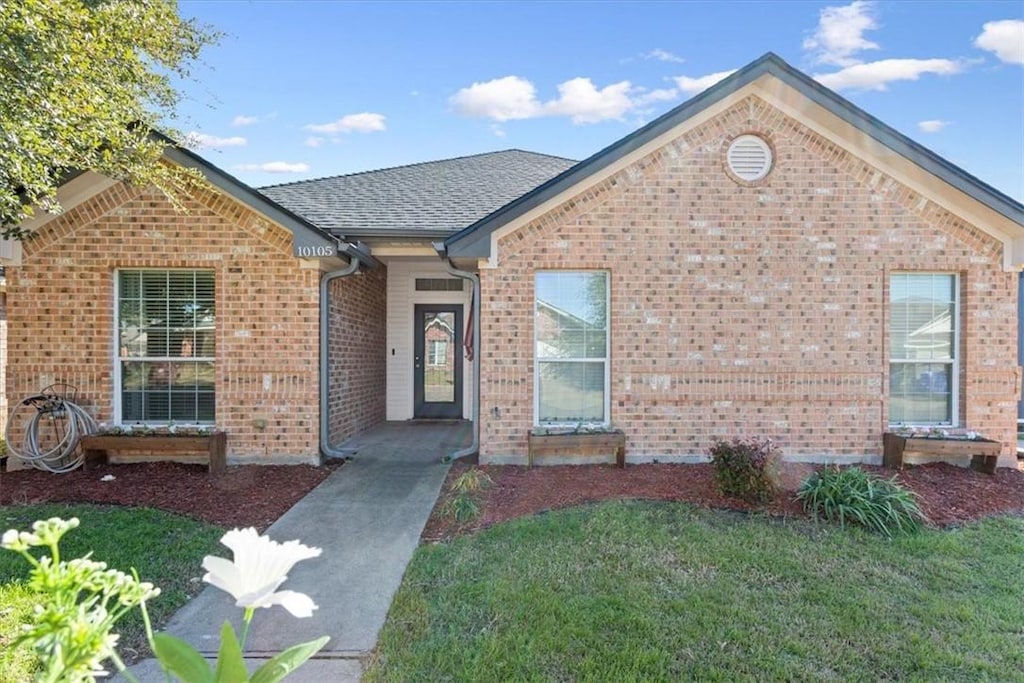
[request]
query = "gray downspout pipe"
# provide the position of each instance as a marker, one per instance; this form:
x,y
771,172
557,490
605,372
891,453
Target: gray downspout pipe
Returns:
x,y
326,449
474,447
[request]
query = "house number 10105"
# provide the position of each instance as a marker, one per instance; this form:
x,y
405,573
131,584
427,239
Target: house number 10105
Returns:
x,y
308,252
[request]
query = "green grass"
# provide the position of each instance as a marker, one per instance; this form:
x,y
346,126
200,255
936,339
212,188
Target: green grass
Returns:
x,y
661,591
165,548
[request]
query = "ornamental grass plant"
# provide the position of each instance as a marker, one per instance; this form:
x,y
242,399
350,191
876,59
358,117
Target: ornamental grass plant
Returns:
x,y
851,495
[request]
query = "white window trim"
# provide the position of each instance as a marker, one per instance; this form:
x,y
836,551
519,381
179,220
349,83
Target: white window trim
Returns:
x,y
432,358
954,421
607,360
117,418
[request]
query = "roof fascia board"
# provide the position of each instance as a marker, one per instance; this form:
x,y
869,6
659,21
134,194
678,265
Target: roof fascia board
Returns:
x,y
489,239
308,240
73,191
607,156
427,235
970,185
900,167
478,240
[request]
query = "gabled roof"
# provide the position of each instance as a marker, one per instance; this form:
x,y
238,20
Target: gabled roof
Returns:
x,y
474,241
427,199
305,232
309,240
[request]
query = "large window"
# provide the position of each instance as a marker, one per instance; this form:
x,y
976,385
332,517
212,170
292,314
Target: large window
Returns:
x,y
166,342
572,347
923,340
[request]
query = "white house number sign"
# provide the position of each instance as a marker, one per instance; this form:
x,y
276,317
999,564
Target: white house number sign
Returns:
x,y
304,251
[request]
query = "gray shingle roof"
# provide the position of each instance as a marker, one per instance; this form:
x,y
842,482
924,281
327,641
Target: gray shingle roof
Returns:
x,y
436,195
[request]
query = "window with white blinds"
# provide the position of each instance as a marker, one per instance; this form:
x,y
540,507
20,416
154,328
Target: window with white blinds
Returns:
x,y
166,339
923,343
571,347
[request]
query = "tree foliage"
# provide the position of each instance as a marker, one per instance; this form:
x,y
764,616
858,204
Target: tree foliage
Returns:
x,y
84,83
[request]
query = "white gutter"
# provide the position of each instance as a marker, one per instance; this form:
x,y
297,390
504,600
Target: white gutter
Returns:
x,y
474,447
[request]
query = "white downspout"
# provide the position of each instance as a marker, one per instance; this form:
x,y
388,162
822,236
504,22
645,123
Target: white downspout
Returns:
x,y
474,447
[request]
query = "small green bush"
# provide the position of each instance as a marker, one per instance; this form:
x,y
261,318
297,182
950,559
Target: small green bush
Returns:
x,y
853,496
461,503
746,468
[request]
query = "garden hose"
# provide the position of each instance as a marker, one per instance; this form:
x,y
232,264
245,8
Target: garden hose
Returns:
x,y
50,441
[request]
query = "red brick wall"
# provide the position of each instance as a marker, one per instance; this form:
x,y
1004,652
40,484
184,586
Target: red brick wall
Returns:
x,y
741,309
62,319
358,346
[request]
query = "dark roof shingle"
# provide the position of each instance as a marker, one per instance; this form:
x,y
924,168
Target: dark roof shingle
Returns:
x,y
436,195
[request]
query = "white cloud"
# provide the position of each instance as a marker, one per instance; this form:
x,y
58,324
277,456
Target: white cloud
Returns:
x,y
196,140
662,56
877,75
513,98
497,130
692,86
584,103
275,167
659,95
1005,39
243,120
932,125
840,34
501,99
314,141
365,122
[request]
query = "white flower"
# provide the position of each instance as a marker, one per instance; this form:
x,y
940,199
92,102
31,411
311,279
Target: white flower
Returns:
x,y
10,539
259,567
108,477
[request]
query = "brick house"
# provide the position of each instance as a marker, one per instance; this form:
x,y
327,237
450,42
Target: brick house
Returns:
x,y
765,259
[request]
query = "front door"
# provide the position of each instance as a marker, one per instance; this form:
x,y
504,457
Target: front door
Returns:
x,y
437,363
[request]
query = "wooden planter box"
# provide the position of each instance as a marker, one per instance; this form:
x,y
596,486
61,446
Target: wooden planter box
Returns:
x,y
984,453
212,446
582,448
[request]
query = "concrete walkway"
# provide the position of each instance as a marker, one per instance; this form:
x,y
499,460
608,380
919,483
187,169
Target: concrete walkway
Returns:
x,y
367,517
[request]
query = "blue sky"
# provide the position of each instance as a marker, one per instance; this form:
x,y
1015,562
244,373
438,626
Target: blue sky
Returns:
x,y
299,90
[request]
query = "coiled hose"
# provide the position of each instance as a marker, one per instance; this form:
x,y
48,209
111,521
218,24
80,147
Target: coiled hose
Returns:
x,y
50,441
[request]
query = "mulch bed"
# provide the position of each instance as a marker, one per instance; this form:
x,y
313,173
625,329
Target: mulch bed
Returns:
x,y
256,495
948,495
247,495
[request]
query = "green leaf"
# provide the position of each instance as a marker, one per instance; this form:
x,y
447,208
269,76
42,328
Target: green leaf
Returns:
x,y
181,659
288,661
230,663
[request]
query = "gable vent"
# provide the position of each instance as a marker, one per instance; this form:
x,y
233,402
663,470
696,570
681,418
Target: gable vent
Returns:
x,y
749,157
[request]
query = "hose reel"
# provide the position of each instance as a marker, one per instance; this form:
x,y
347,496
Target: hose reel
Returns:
x,y
53,423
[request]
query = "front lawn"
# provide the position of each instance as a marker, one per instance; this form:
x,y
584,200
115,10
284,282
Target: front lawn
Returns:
x,y
165,548
664,591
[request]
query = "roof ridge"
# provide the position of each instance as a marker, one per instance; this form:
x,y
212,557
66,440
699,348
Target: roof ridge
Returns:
x,y
413,165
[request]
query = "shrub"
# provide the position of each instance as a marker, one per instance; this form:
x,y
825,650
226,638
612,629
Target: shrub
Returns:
x,y
746,468
461,503
852,495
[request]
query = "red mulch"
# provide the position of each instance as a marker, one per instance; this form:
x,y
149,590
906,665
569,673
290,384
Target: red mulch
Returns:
x,y
949,495
256,495
248,495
